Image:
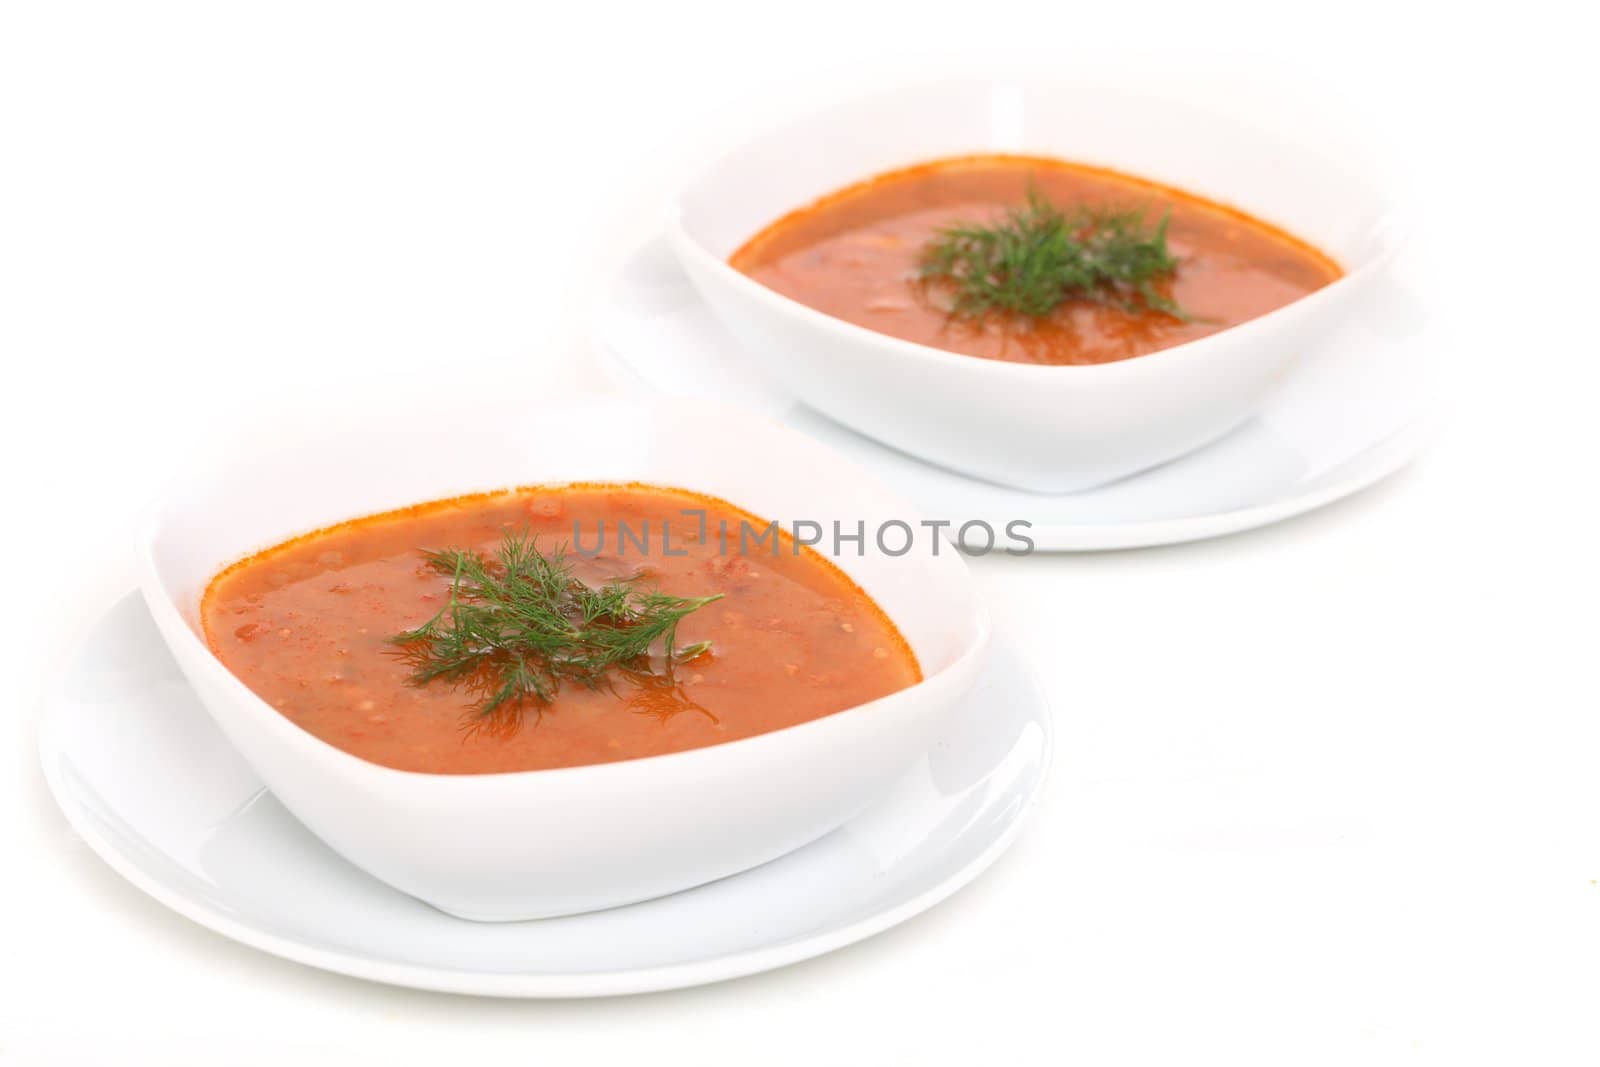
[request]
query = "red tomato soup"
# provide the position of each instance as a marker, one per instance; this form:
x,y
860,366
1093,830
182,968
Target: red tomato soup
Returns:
x,y
309,626
857,255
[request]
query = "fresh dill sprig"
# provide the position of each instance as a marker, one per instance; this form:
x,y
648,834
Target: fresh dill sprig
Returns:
x,y
1039,256
520,626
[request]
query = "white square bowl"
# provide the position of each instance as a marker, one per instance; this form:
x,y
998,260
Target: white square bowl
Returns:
x,y
1040,428
553,842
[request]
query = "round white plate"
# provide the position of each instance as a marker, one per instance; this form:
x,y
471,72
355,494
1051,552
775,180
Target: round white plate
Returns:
x,y
1341,422
143,774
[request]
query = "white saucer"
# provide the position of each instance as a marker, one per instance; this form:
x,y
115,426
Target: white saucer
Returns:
x,y
1342,422
144,776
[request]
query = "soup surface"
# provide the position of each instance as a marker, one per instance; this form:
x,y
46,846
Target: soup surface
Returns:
x,y
857,253
308,626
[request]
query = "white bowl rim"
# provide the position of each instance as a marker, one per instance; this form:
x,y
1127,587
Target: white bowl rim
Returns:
x,y
1392,230
164,608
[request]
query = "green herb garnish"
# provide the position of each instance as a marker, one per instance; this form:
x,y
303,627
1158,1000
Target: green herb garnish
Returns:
x,y
520,626
1039,256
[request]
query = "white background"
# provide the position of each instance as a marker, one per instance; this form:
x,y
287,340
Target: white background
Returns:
x,y
1325,793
